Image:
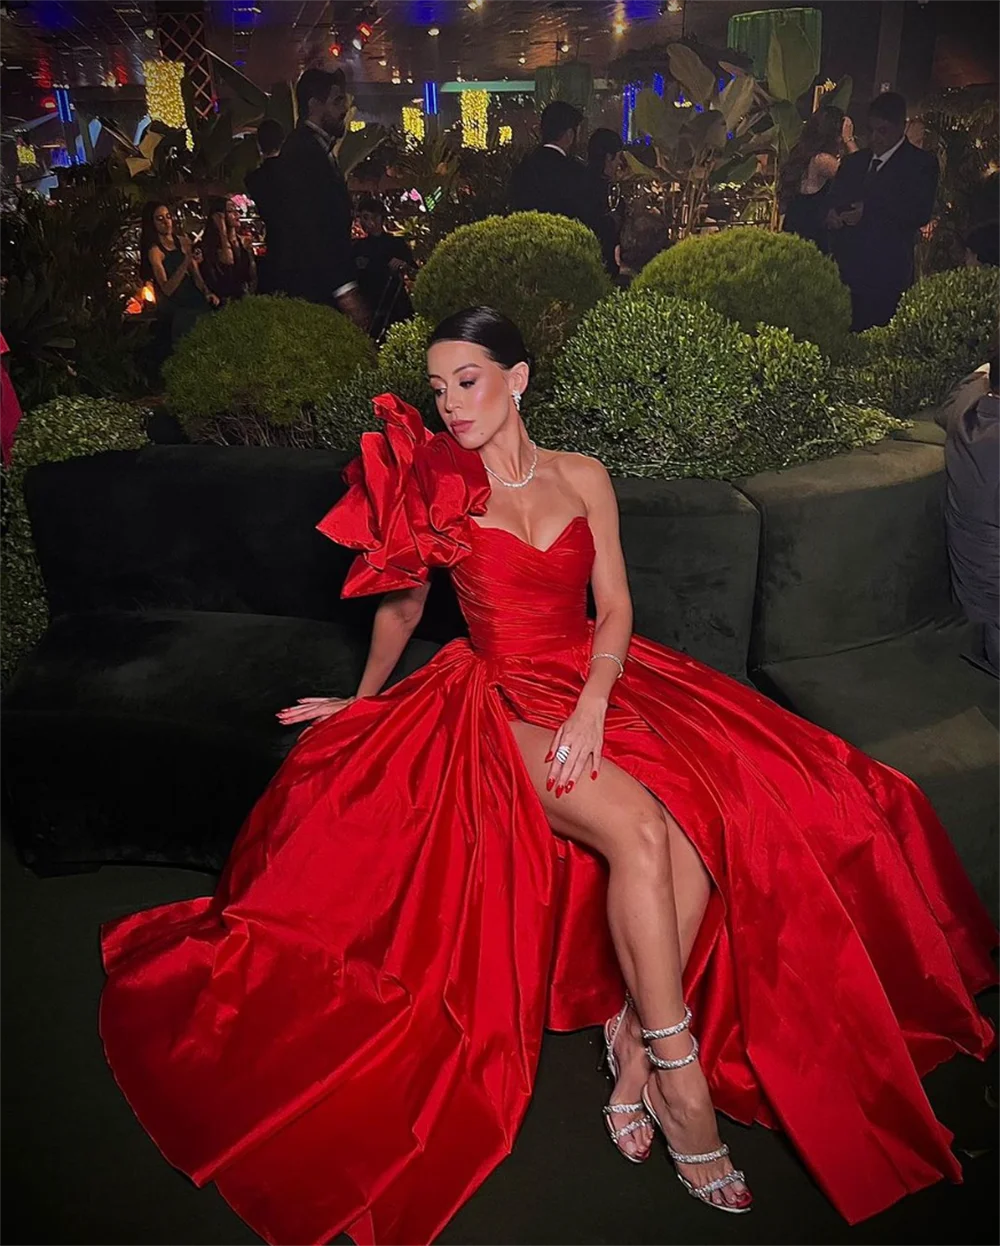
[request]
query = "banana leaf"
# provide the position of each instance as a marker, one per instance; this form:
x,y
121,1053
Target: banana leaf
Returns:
x,y
705,129
736,100
248,103
792,62
788,122
281,105
735,172
658,118
243,157
840,96
357,145
692,73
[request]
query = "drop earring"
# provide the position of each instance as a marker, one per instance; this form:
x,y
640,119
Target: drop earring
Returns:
x,y
517,399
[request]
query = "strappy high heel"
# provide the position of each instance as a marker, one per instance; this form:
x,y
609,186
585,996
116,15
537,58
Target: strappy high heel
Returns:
x,y
611,1030
702,1192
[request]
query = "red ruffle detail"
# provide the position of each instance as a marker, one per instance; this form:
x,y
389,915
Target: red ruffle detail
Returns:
x,y
408,505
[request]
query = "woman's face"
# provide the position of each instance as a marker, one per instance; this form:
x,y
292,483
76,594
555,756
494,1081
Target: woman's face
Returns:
x,y
232,217
163,222
473,393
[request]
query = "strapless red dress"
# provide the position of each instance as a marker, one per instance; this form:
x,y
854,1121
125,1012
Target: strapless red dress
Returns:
x,y
345,1036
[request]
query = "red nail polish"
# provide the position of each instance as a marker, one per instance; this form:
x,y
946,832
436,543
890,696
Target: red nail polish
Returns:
x,y
549,756
569,786
549,785
559,791
593,774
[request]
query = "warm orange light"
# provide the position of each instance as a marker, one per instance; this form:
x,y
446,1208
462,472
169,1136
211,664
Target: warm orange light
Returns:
x,y
148,293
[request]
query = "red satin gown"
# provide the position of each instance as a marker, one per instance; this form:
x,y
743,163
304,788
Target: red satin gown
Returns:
x,y
345,1036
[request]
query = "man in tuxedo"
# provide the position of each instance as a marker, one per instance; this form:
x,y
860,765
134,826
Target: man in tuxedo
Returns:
x,y
313,258
263,188
881,197
551,179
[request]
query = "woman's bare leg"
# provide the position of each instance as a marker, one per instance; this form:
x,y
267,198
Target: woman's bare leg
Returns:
x,y
657,892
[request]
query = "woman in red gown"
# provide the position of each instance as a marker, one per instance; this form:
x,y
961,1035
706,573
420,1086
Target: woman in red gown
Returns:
x,y
397,922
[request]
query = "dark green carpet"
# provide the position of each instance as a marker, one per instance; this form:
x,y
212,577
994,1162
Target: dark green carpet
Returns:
x,y
78,1169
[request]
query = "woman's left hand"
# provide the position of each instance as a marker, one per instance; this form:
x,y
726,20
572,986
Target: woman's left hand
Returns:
x,y
583,734
213,299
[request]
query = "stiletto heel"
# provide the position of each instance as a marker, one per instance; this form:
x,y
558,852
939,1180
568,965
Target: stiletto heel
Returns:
x,y
701,1192
611,1030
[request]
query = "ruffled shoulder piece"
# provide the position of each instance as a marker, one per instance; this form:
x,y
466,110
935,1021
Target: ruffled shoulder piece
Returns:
x,y
408,504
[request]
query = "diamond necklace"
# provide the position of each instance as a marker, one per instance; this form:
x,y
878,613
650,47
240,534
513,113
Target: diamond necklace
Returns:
x,y
518,484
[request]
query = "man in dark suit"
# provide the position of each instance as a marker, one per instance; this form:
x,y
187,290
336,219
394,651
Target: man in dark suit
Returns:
x,y
263,188
881,197
551,179
313,218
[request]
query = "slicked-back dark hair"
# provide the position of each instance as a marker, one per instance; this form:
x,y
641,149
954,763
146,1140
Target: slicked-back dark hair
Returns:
x,y
488,328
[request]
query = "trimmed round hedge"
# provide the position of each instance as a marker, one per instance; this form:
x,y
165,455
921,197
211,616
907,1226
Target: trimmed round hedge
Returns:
x,y
544,272
64,428
654,385
945,326
254,372
756,277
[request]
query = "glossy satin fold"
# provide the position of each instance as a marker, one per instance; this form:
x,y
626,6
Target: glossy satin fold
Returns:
x,y
397,922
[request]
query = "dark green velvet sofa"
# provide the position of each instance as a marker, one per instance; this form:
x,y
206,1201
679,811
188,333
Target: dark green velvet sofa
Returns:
x,y
191,598
855,629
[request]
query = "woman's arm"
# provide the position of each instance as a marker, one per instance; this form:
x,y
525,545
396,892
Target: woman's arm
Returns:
x,y
395,619
583,732
609,579
167,285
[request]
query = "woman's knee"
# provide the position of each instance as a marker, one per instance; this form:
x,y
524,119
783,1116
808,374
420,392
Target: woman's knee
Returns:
x,y
647,836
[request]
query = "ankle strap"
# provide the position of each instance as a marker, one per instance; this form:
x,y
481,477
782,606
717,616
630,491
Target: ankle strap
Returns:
x,y
651,1036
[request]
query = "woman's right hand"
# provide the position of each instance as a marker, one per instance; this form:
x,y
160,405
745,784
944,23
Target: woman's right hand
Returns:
x,y
313,709
184,242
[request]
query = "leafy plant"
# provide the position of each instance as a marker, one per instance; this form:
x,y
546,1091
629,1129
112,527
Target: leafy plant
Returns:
x,y
64,428
659,386
67,275
753,277
946,326
542,271
401,369
253,373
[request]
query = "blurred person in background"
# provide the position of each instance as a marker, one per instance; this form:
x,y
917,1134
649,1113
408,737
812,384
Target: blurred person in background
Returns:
x,y
880,199
227,264
262,186
807,175
604,162
170,262
644,236
550,178
311,240
383,261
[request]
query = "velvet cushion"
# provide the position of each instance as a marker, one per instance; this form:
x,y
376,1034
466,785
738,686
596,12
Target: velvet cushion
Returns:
x,y
148,736
691,552
852,551
914,703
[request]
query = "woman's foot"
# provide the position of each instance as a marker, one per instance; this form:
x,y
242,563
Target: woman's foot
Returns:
x,y
682,1104
633,1070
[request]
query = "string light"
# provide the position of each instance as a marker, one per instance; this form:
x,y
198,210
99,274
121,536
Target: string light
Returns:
x,y
357,125
26,156
475,105
413,123
505,135
164,99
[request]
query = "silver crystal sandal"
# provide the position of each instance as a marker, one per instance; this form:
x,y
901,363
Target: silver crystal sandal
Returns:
x,y
611,1031
702,1192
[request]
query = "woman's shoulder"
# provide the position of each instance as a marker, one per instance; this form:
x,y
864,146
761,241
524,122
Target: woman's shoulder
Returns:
x,y
824,164
587,475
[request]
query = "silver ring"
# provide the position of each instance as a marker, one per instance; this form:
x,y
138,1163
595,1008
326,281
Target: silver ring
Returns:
x,y
562,753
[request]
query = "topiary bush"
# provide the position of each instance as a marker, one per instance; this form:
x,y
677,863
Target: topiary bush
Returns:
x,y
253,373
756,277
544,272
659,386
945,326
64,428
401,369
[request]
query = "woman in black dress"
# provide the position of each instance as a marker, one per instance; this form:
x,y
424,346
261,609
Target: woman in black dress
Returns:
x,y
227,262
809,171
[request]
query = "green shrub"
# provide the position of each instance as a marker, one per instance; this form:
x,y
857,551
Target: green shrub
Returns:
x,y
946,326
660,386
253,373
401,369
64,428
544,272
756,277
